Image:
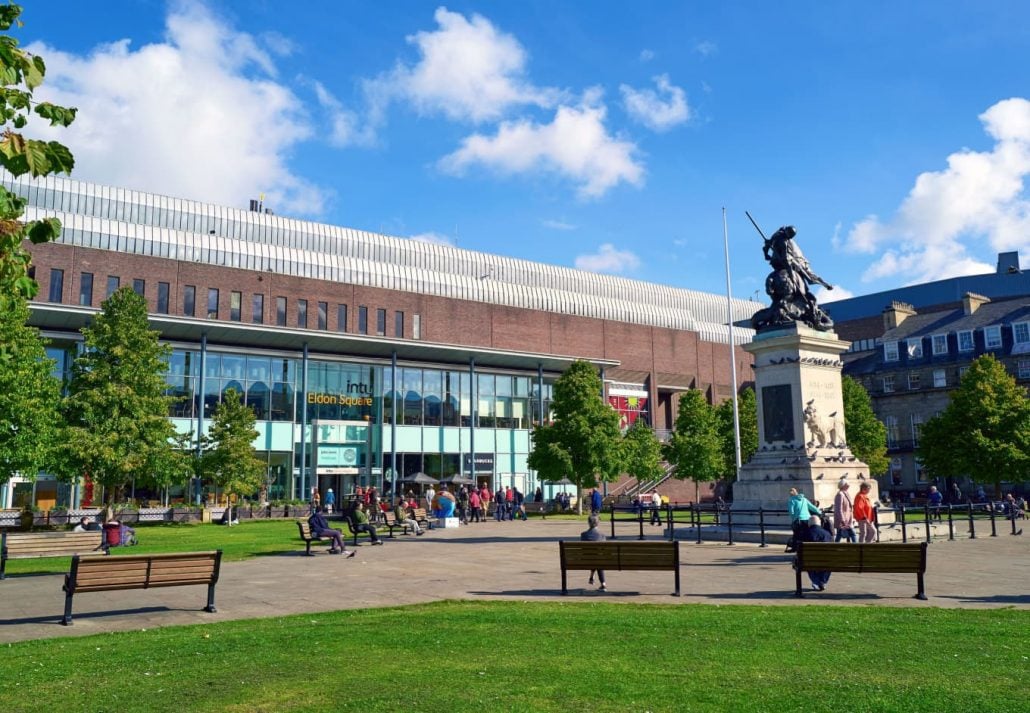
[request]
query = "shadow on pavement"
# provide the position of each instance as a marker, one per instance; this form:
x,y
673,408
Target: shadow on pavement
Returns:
x,y
56,619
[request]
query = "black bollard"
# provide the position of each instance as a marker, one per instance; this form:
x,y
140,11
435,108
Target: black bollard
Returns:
x,y
904,530
951,525
972,527
640,519
698,506
729,525
612,518
927,520
994,527
761,526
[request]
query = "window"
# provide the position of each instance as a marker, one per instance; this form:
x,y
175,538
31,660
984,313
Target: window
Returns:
x,y
992,337
257,309
1023,370
235,306
890,351
965,341
56,285
920,471
940,344
323,315
139,287
381,322
302,313
363,320
916,424
888,383
913,380
416,326
163,289
962,372
86,289
341,318
398,324
1021,332
891,423
212,303
280,311
112,284
189,300
915,348
940,379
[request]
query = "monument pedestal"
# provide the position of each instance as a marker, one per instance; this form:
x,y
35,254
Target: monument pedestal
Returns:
x,y
801,438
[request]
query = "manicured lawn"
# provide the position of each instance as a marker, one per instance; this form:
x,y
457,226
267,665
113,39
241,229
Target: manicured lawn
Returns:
x,y
249,539
518,656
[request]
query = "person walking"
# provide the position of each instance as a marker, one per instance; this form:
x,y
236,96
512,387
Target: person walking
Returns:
x,y
864,514
656,508
595,502
519,501
430,494
843,514
799,510
475,503
499,505
509,503
593,534
934,499
330,501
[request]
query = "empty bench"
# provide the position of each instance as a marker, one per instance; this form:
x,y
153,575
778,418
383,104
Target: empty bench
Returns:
x,y
886,557
22,545
91,573
309,537
646,556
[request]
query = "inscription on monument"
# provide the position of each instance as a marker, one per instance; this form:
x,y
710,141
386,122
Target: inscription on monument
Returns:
x,y
778,413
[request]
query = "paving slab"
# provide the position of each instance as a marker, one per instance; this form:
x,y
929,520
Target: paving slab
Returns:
x,y
513,561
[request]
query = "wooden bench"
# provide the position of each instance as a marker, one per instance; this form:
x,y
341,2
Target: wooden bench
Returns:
x,y
309,537
887,557
23,545
390,521
422,518
648,556
92,573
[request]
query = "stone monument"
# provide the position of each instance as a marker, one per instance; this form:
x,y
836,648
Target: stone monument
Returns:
x,y
802,441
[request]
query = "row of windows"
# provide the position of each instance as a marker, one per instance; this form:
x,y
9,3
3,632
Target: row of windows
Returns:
x,y
257,306
964,341
914,379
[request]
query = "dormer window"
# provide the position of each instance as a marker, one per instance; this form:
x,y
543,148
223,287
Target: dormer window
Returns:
x,y
940,344
992,337
890,351
965,340
915,348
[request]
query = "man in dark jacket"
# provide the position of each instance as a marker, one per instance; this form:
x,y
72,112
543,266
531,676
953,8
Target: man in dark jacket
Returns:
x,y
595,501
815,533
320,528
594,534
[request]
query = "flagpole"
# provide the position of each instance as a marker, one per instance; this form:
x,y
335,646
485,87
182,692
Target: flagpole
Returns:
x,y
733,353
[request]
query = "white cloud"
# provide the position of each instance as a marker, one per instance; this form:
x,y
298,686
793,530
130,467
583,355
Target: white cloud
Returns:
x,y
198,115
346,128
468,70
826,296
575,145
434,238
559,225
706,48
646,55
977,203
608,259
659,110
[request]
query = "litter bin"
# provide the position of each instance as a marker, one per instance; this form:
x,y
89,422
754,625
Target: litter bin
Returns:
x,y
112,534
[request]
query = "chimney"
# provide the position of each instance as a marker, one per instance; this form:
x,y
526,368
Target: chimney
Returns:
x,y
253,205
1008,263
896,313
972,301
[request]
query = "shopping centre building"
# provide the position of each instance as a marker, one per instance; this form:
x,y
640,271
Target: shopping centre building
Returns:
x,y
365,357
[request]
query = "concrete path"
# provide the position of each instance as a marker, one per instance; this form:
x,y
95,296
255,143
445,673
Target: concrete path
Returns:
x,y
510,560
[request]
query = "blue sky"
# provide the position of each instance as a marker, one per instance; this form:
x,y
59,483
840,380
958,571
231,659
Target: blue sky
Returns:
x,y
604,135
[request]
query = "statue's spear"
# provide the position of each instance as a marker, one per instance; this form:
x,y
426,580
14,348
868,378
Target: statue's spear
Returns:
x,y
756,226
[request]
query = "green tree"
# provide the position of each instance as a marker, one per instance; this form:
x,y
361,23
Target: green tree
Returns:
x,y
866,434
747,408
29,397
695,448
985,431
229,461
116,409
642,453
583,443
20,74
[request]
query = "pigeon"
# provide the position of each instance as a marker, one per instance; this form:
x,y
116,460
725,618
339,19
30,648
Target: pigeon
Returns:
x,y
812,457
767,476
783,461
861,477
779,477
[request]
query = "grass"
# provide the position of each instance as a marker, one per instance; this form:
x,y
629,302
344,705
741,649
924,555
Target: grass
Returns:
x,y
246,540
517,656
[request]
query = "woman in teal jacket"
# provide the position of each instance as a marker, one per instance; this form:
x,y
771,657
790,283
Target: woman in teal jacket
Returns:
x,y
800,509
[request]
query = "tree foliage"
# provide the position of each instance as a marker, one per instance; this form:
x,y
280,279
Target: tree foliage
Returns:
x,y
583,443
695,448
984,433
29,397
866,434
747,408
20,74
116,409
230,461
642,453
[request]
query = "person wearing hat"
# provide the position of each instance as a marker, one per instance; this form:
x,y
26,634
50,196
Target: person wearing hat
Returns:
x,y
330,500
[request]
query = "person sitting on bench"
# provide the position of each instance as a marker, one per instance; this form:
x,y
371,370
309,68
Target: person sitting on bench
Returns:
x,y
593,534
816,533
320,528
403,518
361,524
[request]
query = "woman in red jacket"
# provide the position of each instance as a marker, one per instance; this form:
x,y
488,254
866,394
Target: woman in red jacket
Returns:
x,y
864,514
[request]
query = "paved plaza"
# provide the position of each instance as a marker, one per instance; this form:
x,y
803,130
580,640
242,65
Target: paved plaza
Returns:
x,y
510,560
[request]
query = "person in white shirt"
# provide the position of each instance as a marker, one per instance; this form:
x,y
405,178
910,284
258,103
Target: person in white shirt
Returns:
x,y
430,494
656,508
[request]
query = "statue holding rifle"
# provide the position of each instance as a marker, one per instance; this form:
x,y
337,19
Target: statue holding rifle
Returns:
x,y
789,285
